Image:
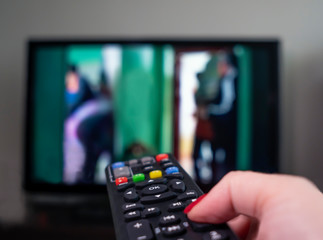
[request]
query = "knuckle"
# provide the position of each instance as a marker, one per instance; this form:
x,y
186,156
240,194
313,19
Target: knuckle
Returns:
x,y
304,181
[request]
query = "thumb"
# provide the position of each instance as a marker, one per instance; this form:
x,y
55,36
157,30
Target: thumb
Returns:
x,y
237,193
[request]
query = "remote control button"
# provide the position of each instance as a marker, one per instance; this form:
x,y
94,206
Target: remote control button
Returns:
x,y
172,170
154,189
215,235
167,165
123,186
131,207
147,161
162,156
177,185
176,206
133,162
133,215
155,174
187,195
173,230
136,169
121,180
121,172
151,212
188,202
177,175
140,230
130,195
148,169
169,220
158,197
200,227
138,177
163,161
118,165
141,185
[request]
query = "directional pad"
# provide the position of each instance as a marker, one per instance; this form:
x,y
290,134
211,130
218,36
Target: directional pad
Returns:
x,y
177,185
131,195
154,189
158,197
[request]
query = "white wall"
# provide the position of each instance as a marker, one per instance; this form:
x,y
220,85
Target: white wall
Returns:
x,y
297,23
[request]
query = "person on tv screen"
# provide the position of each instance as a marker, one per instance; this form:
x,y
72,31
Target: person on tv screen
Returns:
x,y
222,111
77,91
88,128
216,115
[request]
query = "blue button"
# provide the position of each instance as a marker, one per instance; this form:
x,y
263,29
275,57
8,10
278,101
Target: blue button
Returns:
x,y
117,165
171,170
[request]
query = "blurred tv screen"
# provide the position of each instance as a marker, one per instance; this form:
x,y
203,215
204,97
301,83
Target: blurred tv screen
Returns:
x,y
214,104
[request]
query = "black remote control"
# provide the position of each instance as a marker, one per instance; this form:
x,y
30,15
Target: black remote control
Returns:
x,y
148,196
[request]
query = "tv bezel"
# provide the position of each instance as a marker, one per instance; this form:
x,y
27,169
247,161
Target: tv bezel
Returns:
x,y
31,186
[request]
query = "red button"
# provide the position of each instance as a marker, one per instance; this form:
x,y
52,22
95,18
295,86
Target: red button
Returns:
x,y
121,180
162,156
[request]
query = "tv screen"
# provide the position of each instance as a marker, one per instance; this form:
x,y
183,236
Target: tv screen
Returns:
x,y
212,103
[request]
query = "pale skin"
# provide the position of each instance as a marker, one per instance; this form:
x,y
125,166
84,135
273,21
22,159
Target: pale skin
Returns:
x,y
264,206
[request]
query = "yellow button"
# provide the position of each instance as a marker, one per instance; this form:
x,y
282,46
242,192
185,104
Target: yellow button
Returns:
x,y
155,174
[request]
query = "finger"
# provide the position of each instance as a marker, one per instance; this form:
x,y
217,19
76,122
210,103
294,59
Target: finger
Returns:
x,y
240,225
237,193
253,230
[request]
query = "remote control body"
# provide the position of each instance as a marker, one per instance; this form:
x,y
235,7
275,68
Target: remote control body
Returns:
x,y
147,198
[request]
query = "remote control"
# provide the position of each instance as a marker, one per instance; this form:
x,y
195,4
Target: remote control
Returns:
x,y
148,196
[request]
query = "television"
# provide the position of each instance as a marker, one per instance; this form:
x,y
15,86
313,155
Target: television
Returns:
x,y
213,103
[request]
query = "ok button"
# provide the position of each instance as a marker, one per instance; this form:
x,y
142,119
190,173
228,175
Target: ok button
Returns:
x,y
154,189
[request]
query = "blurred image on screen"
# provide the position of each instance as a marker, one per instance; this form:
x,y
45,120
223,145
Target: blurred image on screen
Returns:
x,y
214,105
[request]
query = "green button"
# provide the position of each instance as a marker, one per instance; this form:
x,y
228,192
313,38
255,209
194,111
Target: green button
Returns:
x,y
138,177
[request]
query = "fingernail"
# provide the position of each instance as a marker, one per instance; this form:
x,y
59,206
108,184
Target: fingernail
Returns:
x,y
189,207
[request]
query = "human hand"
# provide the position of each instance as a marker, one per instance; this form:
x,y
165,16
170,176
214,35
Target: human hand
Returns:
x,y
261,206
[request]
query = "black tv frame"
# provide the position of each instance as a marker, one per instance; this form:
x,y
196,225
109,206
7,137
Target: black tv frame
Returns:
x,y
273,44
